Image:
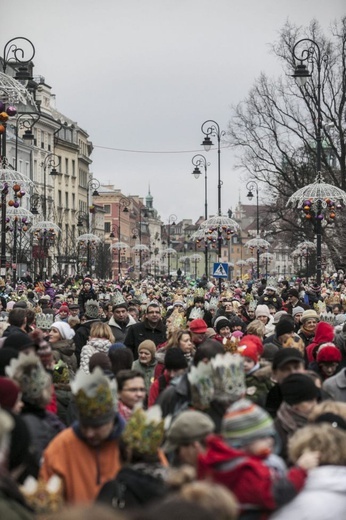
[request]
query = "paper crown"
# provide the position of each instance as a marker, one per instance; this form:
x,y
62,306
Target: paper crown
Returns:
x,y
95,397
144,430
272,283
221,379
92,309
61,374
178,321
213,302
27,370
196,314
252,305
44,321
320,307
118,298
43,497
200,292
328,317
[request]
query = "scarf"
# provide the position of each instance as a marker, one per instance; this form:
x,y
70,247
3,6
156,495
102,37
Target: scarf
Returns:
x,y
290,419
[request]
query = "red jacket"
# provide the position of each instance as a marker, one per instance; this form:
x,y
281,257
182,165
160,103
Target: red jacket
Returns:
x,y
247,476
155,388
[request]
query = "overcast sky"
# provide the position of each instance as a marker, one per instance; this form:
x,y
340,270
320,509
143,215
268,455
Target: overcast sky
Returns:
x,y
143,75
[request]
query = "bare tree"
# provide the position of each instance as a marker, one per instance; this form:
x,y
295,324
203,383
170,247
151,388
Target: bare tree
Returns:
x,y
274,129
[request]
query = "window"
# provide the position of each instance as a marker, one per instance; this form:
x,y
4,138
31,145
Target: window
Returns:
x,y
107,209
42,139
59,198
73,168
66,166
107,227
73,201
66,200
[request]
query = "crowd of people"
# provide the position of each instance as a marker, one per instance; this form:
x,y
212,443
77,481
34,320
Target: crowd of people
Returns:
x,y
143,398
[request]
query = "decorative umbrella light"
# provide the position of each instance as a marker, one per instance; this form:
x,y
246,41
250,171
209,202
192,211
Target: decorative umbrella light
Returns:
x,y
221,224
196,257
18,213
46,225
119,245
251,261
140,247
14,91
307,244
257,243
240,263
169,251
183,259
89,237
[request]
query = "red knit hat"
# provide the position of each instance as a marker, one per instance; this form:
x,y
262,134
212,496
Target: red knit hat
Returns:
x,y
64,308
250,351
198,326
328,353
253,339
9,391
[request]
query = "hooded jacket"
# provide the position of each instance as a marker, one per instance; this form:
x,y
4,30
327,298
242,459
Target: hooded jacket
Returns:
x,y
248,477
93,345
119,332
83,468
324,334
65,350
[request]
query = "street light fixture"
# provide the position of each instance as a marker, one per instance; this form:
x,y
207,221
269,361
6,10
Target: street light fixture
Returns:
x,y
251,187
200,161
212,128
52,162
318,200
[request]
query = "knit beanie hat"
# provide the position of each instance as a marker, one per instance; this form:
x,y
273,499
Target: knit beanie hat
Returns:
x,y
221,324
149,345
328,353
285,326
293,292
87,280
249,351
278,315
9,392
297,310
64,329
253,339
297,388
262,310
100,359
175,359
19,341
64,308
245,422
116,346
308,314
269,351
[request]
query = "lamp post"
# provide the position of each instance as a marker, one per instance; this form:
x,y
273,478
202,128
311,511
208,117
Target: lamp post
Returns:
x,y
171,222
311,53
251,187
51,161
116,230
26,121
196,258
212,128
200,161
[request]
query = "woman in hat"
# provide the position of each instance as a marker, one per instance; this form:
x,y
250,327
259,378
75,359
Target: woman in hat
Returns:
x,y
61,340
100,339
146,362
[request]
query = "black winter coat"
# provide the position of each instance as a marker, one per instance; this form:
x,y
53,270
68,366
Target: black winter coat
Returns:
x,y
140,331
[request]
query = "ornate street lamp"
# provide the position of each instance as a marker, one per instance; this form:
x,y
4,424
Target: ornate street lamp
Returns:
x,y
45,233
196,258
52,162
199,161
318,200
260,245
89,242
266,258
252,187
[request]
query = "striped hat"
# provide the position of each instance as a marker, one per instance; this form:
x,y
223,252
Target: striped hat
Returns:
x,y
245,422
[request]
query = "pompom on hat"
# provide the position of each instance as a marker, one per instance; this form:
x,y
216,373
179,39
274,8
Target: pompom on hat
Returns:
x,y
249,351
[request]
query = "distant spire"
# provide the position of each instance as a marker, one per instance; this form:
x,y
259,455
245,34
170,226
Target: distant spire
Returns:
x,y
149,199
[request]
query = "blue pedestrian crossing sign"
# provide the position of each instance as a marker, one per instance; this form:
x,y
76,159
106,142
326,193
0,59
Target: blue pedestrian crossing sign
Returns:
x,y
220,270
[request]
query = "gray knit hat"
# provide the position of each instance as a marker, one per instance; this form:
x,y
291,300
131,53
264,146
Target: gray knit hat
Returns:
x,y
245,422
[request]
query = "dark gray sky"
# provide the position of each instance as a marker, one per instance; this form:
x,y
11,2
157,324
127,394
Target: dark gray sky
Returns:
x,y
143,75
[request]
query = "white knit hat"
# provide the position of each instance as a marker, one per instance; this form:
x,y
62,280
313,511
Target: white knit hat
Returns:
x,y
65,330
262,310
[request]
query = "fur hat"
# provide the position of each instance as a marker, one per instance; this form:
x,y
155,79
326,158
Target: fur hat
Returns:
x,y
64,329
149,345
245,422
92,309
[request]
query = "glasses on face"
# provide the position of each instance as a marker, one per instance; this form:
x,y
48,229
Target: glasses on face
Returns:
x,y
134,390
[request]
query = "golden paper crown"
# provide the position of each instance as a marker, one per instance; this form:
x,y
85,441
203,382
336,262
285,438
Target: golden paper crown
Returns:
x,y
144,431
43,497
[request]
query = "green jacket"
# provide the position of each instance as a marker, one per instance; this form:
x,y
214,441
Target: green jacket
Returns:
x,y
258,384
146,370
